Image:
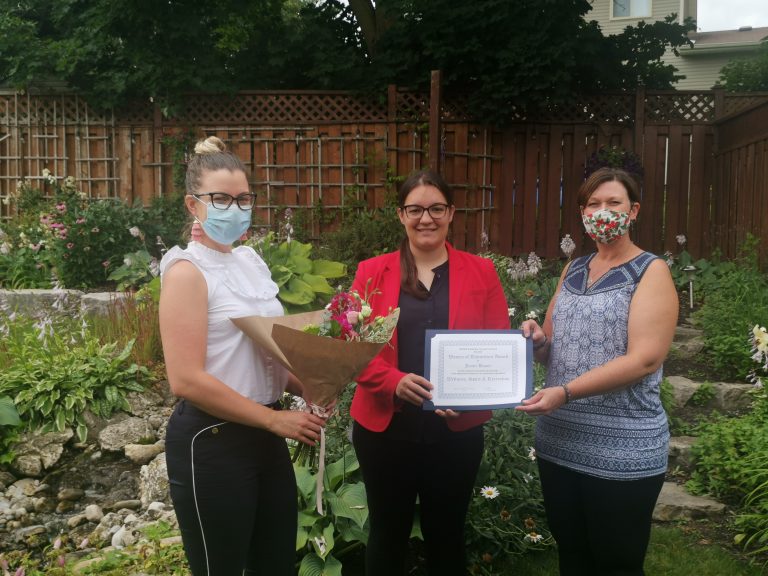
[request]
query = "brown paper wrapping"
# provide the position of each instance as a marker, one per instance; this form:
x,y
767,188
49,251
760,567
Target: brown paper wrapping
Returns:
x,y
324,365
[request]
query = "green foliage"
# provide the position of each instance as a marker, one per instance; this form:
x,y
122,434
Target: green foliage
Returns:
x,y
725,447
747,74
703,394
9,416
555,52
363,234
735,299
116,53
344,524
528,285
54,375
615,157
84,243
511,523
303,282
134,271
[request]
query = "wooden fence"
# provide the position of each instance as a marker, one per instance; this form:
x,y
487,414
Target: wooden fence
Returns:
x,y
319,152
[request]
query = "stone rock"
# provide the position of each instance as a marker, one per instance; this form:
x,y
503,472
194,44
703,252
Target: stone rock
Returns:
x,y
130,431
6,479
153,483
143,403
96,424
732,397
76,520
675,503
127,505
99,302
682,390
36,452
93,513
29,531
64,506
143,453
70,494
31,301
680,452
123,537
24,487
688,342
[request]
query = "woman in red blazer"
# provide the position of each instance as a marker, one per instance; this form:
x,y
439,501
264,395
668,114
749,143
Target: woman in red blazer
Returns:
x,y
404,451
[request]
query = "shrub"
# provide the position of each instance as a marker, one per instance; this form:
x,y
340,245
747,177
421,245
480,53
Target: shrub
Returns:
x,y
529,284
731,307
55,369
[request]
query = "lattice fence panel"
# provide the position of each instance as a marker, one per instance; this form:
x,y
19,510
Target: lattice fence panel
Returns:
x,y
280,108
412,106
737,102
669,107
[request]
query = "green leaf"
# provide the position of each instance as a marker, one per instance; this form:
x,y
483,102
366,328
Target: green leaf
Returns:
x,y
297,292
349,501
61,422
305,482
311,565
280,274
322,540
302,534
8,414
336,471
318,284
328,268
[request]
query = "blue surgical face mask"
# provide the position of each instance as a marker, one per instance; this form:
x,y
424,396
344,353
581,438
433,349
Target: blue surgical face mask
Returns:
x,y
225,226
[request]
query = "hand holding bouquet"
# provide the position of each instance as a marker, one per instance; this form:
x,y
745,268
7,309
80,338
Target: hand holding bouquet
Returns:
x,y
324,349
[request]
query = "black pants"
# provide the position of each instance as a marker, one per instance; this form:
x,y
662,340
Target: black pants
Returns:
x,y
602,527
441,474
234,492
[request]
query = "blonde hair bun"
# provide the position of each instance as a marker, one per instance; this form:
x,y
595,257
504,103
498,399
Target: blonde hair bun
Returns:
x,y
211,145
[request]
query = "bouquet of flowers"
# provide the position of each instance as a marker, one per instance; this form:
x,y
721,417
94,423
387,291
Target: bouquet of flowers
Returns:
x,y
325,349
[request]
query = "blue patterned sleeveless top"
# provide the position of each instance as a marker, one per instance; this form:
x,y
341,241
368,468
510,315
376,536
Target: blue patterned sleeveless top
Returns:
x,y
620,435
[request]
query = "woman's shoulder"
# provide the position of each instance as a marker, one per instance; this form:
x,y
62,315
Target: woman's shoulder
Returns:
x,y
381,260
174,255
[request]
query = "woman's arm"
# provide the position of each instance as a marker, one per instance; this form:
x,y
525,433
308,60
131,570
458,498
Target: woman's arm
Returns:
x,y
651,327
184,333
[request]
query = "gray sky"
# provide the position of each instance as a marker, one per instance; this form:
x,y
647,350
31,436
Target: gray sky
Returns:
x,y
731,14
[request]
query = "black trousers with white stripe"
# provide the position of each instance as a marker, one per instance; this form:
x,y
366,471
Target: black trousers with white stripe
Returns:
x,y
234,492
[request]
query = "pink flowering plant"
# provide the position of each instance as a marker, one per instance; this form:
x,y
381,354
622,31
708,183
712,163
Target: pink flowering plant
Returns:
x,y
348,317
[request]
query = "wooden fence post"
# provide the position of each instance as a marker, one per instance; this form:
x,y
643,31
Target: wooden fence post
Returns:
x,y
639,119
435,104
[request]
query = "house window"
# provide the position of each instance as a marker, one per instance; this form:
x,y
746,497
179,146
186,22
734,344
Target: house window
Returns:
x,y
631,8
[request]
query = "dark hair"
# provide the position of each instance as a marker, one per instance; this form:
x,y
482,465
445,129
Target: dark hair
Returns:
x,y
409,275
607,174
210,154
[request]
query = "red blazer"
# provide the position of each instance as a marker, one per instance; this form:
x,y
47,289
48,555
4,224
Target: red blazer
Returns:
x,y
475,301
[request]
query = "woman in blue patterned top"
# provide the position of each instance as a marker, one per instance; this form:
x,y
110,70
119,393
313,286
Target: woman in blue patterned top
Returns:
x,y
602,434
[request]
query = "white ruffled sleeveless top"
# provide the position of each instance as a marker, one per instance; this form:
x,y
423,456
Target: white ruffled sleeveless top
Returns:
x,y
239,284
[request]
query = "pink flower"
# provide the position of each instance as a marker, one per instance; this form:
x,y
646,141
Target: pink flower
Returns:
x,y
353,317
80,221
95,230
61,207
105,263
70,245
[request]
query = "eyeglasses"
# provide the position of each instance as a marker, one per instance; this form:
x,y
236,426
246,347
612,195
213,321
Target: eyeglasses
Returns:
x,y
436,211
222,201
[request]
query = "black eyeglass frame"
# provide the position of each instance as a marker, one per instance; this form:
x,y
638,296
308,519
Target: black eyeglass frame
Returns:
x,y
427,209
236,199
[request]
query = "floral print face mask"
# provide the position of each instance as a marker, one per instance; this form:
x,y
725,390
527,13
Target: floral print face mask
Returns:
x,y
605,226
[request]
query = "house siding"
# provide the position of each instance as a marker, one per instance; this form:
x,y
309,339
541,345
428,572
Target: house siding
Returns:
x,y
701,72
660,9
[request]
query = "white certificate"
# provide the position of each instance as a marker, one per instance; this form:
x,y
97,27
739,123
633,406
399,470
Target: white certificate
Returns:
x,y
478,369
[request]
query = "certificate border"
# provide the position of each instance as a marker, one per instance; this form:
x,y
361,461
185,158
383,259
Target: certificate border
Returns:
x,y
430,334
